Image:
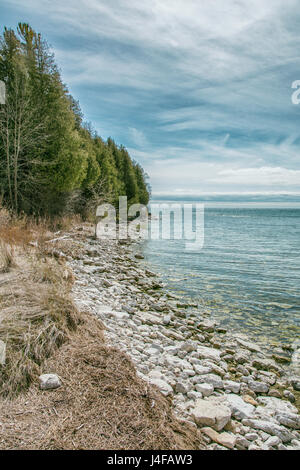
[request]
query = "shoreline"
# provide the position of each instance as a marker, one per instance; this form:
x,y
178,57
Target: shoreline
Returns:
x,y
218,382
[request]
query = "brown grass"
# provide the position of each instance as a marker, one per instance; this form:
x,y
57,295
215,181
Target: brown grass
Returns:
x,y
7,260
101,405
37,316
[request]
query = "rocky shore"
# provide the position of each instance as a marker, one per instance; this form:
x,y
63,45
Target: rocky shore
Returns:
x,y
240,395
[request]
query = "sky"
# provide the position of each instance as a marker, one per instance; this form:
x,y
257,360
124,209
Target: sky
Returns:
x,y
198,91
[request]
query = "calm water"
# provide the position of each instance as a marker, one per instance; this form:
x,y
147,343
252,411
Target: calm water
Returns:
x,y
247,274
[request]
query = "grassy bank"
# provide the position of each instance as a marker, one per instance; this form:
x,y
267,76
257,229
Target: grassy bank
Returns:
x,y
102,404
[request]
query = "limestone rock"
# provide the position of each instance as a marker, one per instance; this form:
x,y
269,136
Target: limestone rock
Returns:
x,y
225,439
240,409
212,413
49,381
270,428
211,379
2,353
205,389
163,386
209,353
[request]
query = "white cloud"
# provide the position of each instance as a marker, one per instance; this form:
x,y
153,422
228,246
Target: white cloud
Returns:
x,y
264,176
208,83
138,137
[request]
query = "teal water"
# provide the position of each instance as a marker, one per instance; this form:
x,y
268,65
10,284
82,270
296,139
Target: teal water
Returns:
x,y
248,272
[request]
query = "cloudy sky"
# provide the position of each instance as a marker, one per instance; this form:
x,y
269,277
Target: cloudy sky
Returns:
x,y
198,91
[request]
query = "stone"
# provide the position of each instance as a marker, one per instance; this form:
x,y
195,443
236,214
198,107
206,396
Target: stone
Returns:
x,y
181,388
257,387
248,345
163,386
295,382
270,428
274,405
2,353
289,395
209,353
273,441
49,381
242,443
200,370
166,320
281,359
240,409
205,389
207,325
241,357
211,413
251,436
189,346
194,395
211,379
265,364
273,392
232,386
225,439
250,399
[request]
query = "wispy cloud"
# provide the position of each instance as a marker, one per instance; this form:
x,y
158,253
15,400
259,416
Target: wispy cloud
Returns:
x,y
199,91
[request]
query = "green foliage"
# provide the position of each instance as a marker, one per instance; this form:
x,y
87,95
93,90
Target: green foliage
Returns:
x,y
48,157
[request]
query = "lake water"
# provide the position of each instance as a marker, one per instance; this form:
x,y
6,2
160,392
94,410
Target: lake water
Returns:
x,y
248,272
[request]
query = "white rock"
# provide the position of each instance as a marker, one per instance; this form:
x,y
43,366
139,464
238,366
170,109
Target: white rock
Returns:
x,y
251,436
2,353
212,413
224,438
248,345
258,387
181,388
232,386
275,405
270,428
273,441
209,353
240,409
200,370
205,389
163,386
211,379
49,381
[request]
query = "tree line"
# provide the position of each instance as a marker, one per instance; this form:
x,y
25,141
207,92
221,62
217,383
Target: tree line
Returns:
x,y
51,161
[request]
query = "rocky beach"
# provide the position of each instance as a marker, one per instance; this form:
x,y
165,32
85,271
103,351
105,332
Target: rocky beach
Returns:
x,y
241,394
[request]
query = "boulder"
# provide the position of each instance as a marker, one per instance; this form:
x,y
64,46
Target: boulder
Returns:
x,y
240,409
212,413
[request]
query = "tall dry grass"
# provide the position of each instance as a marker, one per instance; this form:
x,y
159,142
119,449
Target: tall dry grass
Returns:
x,y
37,314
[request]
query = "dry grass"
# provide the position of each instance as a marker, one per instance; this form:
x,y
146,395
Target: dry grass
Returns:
x,y
102,403
7,258
37,316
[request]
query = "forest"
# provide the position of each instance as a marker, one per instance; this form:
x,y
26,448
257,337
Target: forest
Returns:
x,y
51,161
